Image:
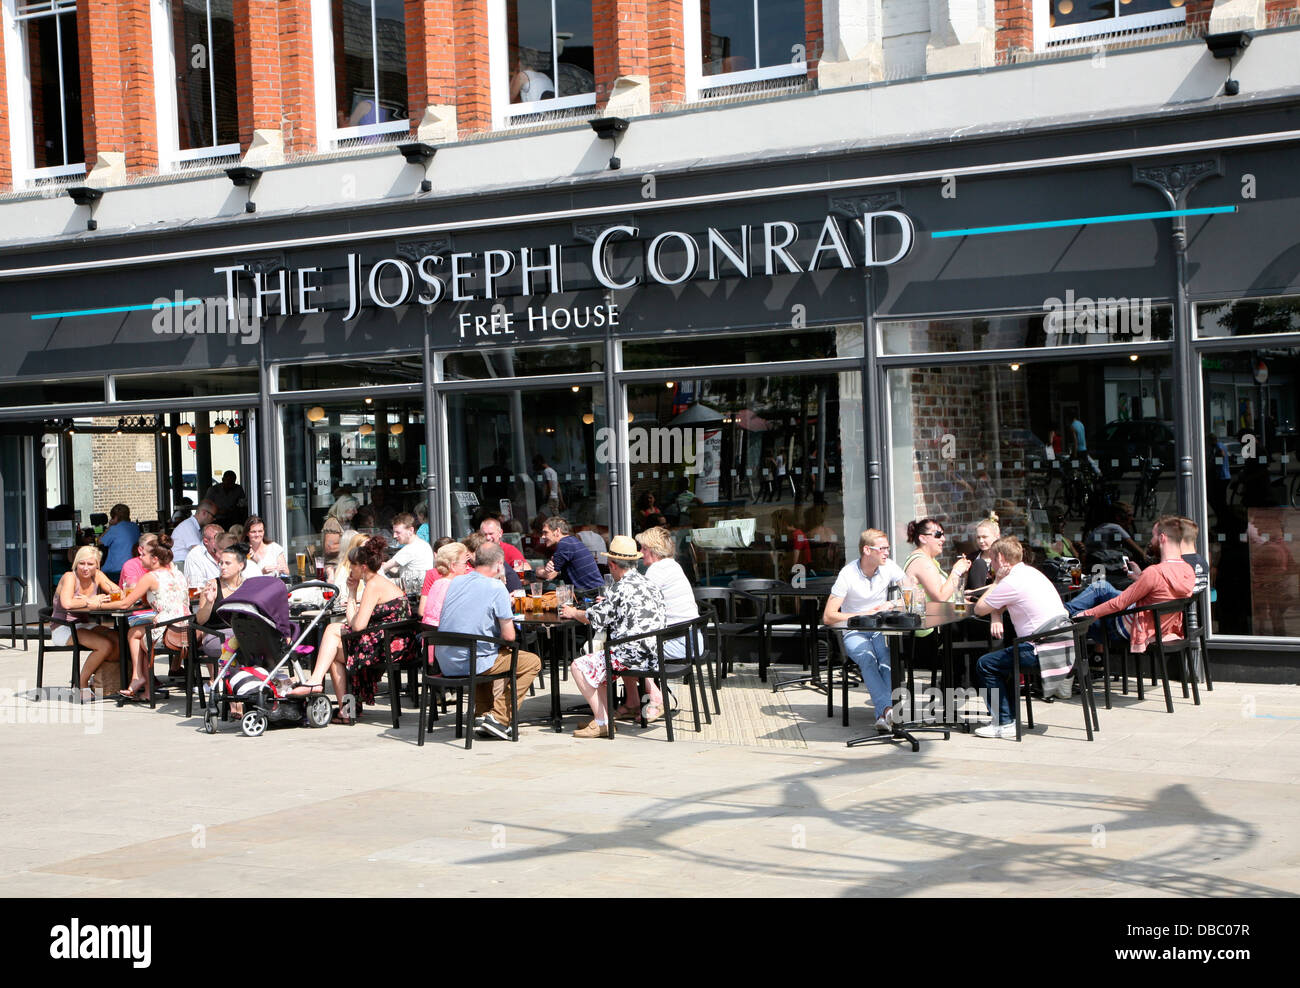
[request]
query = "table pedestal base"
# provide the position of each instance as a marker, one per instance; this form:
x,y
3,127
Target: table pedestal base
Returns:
x,y
901,734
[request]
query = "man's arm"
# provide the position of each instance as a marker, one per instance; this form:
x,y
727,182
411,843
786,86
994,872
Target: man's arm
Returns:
x,y
1137,593
507,629
983,606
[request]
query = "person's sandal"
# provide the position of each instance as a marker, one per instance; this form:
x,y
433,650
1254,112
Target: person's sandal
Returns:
x,y
627,713
653,713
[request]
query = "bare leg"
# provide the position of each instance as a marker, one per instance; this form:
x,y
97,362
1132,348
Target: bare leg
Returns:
x,y
331,643
633,701
594,695
139,654
103,648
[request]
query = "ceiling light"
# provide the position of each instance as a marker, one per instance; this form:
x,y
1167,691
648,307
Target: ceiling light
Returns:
x,y
315,413
366,429
184,429
1015,367
396,429
588,419
575,389
220,429
1133,357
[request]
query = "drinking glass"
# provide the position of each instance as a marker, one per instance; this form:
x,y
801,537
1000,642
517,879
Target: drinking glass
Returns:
x,y
302,565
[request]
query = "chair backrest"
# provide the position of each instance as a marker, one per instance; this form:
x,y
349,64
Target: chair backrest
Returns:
x,y
712,595
432,636
14,592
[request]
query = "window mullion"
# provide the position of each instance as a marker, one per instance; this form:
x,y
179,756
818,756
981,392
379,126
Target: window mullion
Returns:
x,y
374,55
757,47
63,108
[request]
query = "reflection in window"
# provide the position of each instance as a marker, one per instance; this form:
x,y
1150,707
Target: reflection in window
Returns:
x,y
739,35
551,50
750,474
1074,322
494,362
687,351
1098,14
203,39
524,455
360,462
54,68
370,64
1061,452
1253,490
1250,317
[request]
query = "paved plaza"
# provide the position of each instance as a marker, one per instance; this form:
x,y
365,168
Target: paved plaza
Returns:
x,y
107,801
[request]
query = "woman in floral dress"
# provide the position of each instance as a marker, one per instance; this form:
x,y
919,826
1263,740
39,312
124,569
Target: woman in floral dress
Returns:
x,y
381,602
164,586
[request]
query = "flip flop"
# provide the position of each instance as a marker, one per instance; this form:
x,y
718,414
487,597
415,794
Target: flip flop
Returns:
x,y
126,696
307,689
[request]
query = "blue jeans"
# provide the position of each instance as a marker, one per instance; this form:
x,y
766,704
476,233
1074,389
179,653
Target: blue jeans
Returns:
x,y
870,651
993,672
1098,593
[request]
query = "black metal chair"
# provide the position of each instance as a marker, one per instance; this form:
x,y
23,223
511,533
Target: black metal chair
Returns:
x,y
1159,649
730,625
183,653
763,591
667,669
47,620
1077,634
712,648
434,680
14,604
407,659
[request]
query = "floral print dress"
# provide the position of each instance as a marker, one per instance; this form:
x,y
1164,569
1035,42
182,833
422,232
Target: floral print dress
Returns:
x,y
366,663
170,599
632,606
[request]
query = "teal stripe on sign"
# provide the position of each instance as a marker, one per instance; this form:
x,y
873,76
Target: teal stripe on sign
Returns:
x,y
976,231
115,308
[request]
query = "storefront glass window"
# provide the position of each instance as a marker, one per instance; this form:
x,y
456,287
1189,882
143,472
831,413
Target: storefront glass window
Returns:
x,y
1253,490
687,351
370,65
756,476
567,358
527,454
1055,449
362,462
207,110
62,391
741,35
551,53
1103,13
189,384
54,68
1250,317
398,369
1072,322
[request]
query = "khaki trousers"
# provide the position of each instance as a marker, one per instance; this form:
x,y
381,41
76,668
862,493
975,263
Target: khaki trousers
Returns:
x,y
495,696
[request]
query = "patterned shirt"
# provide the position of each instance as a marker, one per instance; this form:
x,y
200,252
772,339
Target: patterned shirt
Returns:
x,y
632,606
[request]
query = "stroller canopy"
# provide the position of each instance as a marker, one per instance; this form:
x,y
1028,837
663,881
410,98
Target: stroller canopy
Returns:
x,y
267,595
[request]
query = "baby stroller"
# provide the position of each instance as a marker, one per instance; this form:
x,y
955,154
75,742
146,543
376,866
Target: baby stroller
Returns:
x,y
257,673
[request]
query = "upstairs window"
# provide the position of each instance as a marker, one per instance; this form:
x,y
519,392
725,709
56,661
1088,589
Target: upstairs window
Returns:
x,y
49,35
551,55
369,67
207,109
751,40
1071,21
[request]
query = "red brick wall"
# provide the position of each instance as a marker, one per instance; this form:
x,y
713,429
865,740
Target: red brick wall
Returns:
x,y
1198,12
430,60
297,110
1015,20
622,43
6,163
812,29
1277,8
139,116
666,57
102,88
473,81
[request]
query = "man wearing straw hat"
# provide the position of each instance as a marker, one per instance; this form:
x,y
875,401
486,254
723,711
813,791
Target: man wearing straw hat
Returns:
x,y
632,606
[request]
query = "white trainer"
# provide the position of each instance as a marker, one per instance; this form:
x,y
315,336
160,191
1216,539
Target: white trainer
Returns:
x,y
997,731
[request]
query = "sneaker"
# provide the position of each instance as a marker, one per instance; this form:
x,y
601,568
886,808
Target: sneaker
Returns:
x,y
489,726
997,731
592,730
883,726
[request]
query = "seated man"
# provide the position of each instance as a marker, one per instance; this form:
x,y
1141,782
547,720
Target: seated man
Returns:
x,y
490,529
477,604
1033,603
571,560
203,563
633,606
862,587
1170,579
415,557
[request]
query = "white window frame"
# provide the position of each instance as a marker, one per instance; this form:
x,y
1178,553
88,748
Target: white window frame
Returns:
x,y
166,104
697,81
503,111
329,135
19,92
1070,35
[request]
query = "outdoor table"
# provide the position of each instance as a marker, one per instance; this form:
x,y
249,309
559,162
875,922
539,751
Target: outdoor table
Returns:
x,y
551,622
121,617
817,589
941,617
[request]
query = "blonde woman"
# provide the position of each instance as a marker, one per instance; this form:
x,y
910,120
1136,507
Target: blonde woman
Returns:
x,y
346,577
453,560
167,592
986,533
85,587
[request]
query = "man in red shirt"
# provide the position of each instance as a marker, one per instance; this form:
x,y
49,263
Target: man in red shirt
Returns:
x,y
1169,579
491,530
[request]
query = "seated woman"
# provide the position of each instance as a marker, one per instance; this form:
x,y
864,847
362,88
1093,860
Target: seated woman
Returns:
x,y
987,532
658,550
85,587
134,568
923,564
165,589
230,578
452,560
382,601
349,581
269,557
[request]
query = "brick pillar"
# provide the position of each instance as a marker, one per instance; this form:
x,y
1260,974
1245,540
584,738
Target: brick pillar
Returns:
x,y
297,109
1198,12
139,116
667,56
812,29
473,78
1277,8
102,86
273,74
430,60
1015,25
621,43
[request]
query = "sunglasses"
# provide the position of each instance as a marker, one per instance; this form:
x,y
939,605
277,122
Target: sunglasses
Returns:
x,y
936,535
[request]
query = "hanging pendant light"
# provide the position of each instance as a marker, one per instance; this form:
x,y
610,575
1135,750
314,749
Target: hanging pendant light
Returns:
x,y
366,429
396,429
315,413
184,429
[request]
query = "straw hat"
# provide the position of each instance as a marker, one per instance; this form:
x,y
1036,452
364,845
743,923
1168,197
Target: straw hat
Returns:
x,y
623,548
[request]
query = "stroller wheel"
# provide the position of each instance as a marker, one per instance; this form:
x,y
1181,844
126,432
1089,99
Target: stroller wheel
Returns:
x,y
209,724
318,710
253,724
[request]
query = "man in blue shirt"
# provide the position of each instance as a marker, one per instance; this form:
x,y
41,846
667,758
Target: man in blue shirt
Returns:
x,y
477,604
119,541
571,560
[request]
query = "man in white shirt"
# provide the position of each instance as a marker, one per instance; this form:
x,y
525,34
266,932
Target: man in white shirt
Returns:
x,y
202,563
862,587
1032,602
415,557
189,533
